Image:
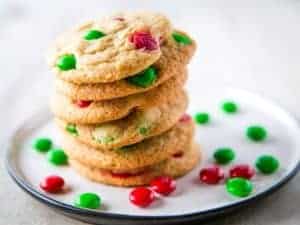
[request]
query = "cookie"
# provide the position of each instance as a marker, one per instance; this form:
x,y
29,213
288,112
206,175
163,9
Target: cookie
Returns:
x,y
174,167
143,154
102,111
171,63
139,125
109,49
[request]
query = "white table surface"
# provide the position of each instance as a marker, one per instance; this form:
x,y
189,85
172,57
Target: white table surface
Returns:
x,y
248,44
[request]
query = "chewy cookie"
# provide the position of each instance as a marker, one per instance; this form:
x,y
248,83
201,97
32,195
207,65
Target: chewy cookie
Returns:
x,y
103,111
109,49
146,153
139,125
171,63
174,167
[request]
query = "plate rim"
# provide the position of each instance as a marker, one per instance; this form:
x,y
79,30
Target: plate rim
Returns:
x,y
68,208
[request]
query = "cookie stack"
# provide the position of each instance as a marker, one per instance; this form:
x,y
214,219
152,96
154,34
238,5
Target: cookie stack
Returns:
x,y
119,100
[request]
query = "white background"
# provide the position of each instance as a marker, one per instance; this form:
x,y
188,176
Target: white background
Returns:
x,y
246,44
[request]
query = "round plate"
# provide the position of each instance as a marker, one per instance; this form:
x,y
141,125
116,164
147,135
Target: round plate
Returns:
x,y
191,200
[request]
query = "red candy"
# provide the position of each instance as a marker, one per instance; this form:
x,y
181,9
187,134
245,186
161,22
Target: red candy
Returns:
x,y
178,155
52,184
119,18
185,118
163,185
211,175
83,103
242,170
141,196
144,40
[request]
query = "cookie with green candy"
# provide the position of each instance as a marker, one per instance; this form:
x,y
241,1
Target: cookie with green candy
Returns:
x,y
171,64
99,112
137,126
139,155
107,50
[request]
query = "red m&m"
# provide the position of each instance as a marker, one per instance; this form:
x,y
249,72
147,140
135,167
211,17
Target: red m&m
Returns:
x,y
141,196
211,175
163,185
144,40
242,170
83,103
52,184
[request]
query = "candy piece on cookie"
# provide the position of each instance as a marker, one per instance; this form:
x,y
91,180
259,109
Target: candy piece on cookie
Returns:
x,y
139,125
104,111
107,50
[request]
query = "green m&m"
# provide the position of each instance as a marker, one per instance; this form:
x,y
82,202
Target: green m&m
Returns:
x,y
143,130
239,187
66,62
88,200
181,38
57,156
201,118
256,133
267,164
224,155
145,78
42,144
93,34
71,128
229,107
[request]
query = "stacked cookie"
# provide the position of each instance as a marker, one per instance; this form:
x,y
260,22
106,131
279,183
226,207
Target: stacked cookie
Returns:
x,y
119,100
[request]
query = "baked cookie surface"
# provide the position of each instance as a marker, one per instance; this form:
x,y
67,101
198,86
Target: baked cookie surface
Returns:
x,y
174,167
102,111
109,49
171,63
133,157
139,125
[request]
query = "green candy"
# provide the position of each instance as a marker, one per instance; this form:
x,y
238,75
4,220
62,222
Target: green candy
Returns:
x,y
88,200
107,139
202,118
66,62
145,78
224,155
239,187
229,107
144,130
42,144
267,164
71,128
93,34
256,133
181,38
57,156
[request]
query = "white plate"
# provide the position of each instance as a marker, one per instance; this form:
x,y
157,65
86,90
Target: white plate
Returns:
x,y
191,200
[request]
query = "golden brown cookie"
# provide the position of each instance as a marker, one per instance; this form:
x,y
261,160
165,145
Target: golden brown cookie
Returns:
x,y
139,125
102,111
109,49
171,63
174,167
143,154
